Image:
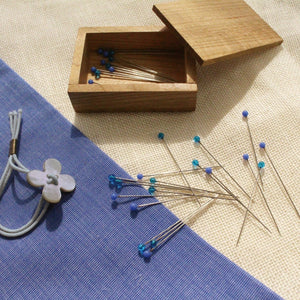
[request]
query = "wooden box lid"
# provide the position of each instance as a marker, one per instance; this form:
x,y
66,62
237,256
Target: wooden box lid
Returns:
x,y
215,30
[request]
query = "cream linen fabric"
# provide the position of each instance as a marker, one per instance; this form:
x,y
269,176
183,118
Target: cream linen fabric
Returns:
x,y
37,41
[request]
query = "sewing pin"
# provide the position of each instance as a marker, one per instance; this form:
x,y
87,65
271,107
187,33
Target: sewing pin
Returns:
x,y
260,166
262,146
126,74
142,176
245,114
161,137
110,55
118,70
144,69
120,77
135,207
153,193
246,158
152,182
146,249
197,140
164,187
126,66
208,171
130,67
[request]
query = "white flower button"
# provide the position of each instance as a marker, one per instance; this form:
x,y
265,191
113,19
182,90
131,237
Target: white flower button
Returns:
x,y
51,180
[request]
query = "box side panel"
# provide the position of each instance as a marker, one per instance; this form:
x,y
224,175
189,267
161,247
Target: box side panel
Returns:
x,y
79,59
134,101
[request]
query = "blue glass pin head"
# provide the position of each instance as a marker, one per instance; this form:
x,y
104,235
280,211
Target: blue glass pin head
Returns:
x,y
152,180
196,139
141,247
114,196
245,113
119,185
133,207
147,254
161,136
112,177
153,243
208,170
97,74
151,190
262,145
246,156
111,184
139,176
111,69
195,164
112,181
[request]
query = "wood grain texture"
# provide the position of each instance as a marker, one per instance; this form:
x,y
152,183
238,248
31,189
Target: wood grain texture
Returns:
x,y
134,101
215,30
125,95
79,54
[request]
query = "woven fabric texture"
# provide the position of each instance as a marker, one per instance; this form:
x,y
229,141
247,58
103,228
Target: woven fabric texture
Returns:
x,y
85,249
37,41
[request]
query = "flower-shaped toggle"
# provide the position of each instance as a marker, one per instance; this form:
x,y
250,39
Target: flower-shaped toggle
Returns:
x,y
51,180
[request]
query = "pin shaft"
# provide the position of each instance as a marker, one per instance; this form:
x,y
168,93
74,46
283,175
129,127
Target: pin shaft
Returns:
x,y
181,173
214,158
254,152
290,198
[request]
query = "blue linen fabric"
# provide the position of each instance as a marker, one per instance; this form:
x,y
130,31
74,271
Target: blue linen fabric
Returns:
x,y
83,248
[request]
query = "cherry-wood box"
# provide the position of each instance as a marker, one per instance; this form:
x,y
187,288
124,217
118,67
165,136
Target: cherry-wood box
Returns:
x,y
126,95
197,31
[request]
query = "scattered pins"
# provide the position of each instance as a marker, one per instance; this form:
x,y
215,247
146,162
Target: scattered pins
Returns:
x,y
262,146
197,140
246,158
147,249
209,172
166,192
161,136
195,163
118,183
161,189
134,207
141,176
245,114
261,165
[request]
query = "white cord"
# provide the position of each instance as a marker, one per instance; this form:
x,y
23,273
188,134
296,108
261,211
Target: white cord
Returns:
x,y
13,163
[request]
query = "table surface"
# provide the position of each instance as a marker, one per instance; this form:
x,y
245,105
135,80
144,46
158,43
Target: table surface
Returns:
x,y
37,41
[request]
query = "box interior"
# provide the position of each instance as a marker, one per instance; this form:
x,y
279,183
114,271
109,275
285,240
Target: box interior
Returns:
x,y
172,61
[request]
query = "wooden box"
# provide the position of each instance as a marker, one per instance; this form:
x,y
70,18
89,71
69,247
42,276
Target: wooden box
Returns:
x,y
203,31
122,95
